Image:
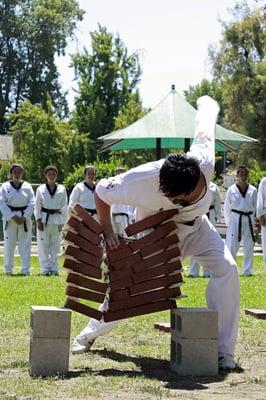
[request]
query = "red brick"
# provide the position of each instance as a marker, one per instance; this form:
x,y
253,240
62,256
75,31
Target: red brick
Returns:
x,y
120,273
84,244
159,245
153,236
80,280
121,283
150,221
119,254
120,294
81,255
83,231
126,262
82,309
162,269
155,284
88,220
72,291
156,259
142,299
140,310
82,268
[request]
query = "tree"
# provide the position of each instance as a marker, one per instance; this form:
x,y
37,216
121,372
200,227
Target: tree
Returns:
x,y
32,33
239,66
40,139
107,78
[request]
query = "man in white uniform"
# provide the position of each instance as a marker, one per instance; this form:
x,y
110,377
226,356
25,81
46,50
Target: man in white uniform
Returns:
x,y
239,214
181,181
51,215
83,192
261,214
214,215
16,205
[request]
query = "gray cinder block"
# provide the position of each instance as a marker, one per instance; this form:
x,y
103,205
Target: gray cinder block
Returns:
x,y
198,323
52,322
49,340
198,357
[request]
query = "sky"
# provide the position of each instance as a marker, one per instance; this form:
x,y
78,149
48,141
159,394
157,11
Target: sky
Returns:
x,y
171,36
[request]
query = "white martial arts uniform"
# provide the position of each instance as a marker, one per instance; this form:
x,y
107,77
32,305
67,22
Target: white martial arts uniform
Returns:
x,y
83,195
239,211
122,216
261,210
51,208
12,198
200,240
214,215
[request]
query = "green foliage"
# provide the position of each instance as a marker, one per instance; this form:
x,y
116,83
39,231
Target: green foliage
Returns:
x,y
256,174
239,66
32,34
104,169
107,78
130,112
40,139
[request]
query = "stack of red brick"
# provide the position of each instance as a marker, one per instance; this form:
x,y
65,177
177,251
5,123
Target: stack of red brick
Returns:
x,y
144,274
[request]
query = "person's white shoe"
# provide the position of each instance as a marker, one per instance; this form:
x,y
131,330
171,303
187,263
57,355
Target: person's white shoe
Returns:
x,y
78,348
226,361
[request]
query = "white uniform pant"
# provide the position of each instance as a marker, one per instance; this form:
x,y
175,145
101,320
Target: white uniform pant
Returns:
x,y
48,242
263,243
15,234
247,241
120,222
194,268
222,294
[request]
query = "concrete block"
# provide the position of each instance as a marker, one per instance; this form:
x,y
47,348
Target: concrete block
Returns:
x,y
194,323
50,322
48,356
198,357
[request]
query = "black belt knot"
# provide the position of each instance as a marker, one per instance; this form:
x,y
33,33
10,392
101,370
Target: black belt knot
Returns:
x,y
22,209
50,211
247,214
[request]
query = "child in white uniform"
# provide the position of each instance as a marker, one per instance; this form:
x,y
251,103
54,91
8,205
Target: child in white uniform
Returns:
x,y
51,214
239,212
181,181
261,214
16,205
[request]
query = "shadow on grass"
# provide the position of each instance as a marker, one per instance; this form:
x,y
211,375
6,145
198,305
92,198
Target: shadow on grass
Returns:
x,y
151,368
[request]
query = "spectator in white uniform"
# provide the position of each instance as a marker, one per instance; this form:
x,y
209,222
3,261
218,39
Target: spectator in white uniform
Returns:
x,y
181,181
261,214
122,214
239,214
51,214
214,215
83,192
16,205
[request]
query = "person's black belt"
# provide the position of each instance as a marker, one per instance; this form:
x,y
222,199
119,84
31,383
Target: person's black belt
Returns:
x,y
91,211
247,214
50,211
22,209
210,208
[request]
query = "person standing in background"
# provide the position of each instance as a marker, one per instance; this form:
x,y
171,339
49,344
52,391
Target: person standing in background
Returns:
x,y
214,215
51,215
261,214
83,192
16,205
239,214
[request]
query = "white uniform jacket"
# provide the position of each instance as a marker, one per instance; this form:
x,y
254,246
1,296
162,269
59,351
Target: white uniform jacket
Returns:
x,y
51,201
261,201
11,196
83,195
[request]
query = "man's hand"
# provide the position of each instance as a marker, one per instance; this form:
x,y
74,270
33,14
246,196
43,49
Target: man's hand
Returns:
x,y
112,240
40,225
262,220
21,220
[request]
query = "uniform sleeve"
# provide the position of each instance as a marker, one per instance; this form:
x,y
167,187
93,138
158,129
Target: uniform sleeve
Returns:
x,y
38,205
227,208
217,204
74,196
63,207
111,191
31,201
5,210
261,199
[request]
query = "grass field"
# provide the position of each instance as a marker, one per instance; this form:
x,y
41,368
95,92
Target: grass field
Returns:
x,y
132,362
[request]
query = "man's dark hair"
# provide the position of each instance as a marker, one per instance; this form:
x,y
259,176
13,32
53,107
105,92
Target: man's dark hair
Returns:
x,y
179,174
242,168
50,168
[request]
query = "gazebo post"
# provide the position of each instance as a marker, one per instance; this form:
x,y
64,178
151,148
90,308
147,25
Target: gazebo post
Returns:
x,y
186,144
158,148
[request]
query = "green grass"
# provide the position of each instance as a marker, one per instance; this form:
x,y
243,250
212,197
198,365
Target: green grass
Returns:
x,y
130,362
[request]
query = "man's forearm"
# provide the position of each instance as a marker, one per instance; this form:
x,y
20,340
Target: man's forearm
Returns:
x,y
104,215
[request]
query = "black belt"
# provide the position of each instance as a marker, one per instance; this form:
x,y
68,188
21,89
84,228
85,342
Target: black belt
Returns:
x,y
210,208
247,214
22,209
91,211
49,212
